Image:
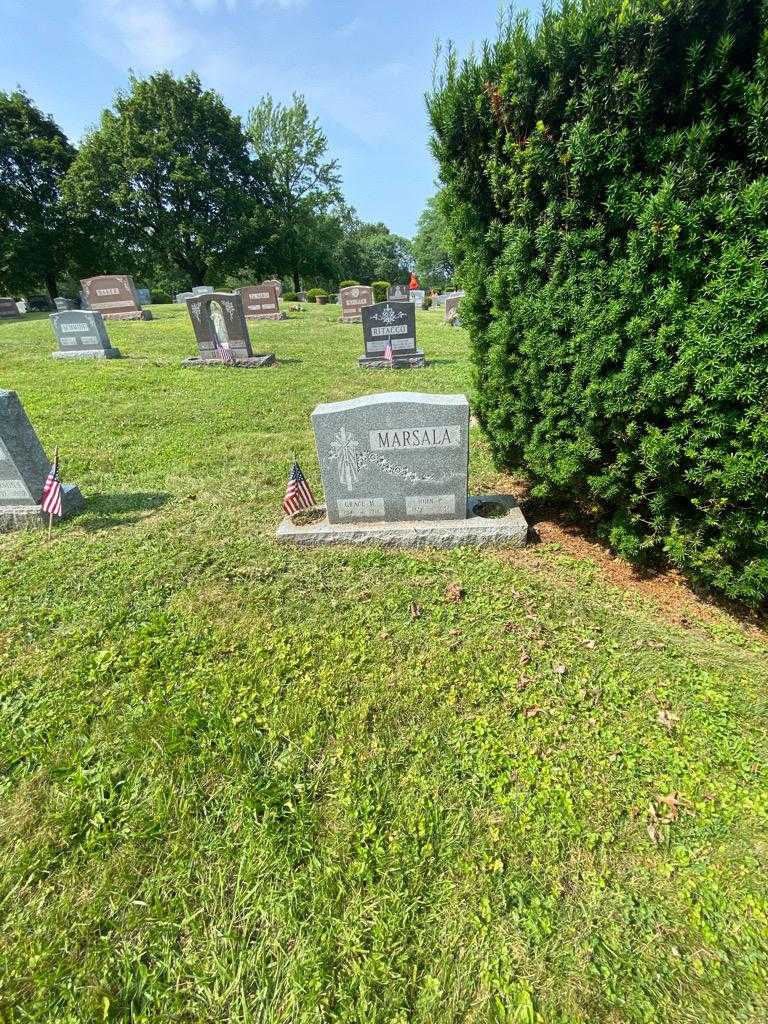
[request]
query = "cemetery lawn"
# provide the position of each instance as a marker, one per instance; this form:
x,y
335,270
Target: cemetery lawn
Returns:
x,y
246,783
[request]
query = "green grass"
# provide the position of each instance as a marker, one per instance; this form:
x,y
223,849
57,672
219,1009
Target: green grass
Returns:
x,y
245,783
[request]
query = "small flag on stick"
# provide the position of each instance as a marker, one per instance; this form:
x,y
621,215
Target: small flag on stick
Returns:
x,y
226,355
50,501
298,494
388,354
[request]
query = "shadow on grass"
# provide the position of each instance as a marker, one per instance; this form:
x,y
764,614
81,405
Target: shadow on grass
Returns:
x,y
281,361
104,511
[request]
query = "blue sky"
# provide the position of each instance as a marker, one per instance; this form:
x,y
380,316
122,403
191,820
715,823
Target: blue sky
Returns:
x,y
363,66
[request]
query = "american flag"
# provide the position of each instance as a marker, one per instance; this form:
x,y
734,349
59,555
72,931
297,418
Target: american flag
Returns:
x,y
297,494
388,355
226,355
51,499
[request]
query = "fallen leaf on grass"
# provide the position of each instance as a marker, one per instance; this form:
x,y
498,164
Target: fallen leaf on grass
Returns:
x,y
559,670
454,592
667,719
524,657
591,644
532,711
523,683
415,610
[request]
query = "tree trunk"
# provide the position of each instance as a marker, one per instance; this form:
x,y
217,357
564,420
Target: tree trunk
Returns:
x,y
51,284
296,281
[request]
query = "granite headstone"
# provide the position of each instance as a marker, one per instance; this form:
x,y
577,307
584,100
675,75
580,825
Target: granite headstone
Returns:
x,y
417,296
202,289
260,302
393,322
452,308
398,293
62,303
81,334
144,296
394,457
114,296
353,299
277,285
220,328
23,470
8,308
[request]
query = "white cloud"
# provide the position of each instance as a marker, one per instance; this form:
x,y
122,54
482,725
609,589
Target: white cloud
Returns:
x,y
150,36
351,28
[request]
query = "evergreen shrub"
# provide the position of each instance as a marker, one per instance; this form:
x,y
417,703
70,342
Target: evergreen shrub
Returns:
x,y
607,200
380,289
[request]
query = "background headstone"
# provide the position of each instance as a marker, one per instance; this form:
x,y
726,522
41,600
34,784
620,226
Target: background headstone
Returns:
x,y
23,469
62,303
144,295
182,297
353,299
81,334
114,296
8,308
219,322
201,289
394,457
21,305
277,285
452,309
301,297
398,293
260,302
417,296
394,322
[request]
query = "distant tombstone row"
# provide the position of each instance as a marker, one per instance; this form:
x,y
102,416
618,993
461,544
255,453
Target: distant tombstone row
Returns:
x,y
417,296
353,299
398,293
24,469
8,308
390,324
114,296
221,331
261,301
81,334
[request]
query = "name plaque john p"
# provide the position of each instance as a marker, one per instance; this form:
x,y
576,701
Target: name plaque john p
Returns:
x,y
81,334
221,331
398,293
353,299
260,302
394,468
114,296
392,323
23,470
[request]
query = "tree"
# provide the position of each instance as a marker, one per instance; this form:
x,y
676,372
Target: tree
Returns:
x,y
302,185
34,233
371,252
431,251
168,179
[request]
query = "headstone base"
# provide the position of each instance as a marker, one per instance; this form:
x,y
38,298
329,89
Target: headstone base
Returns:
x,y
266,316
89,353
141,314
509,530
350,319
413,360
32,517
266,359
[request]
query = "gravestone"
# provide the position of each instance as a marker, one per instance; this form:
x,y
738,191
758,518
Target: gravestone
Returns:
x,y
62,303
353,299
398,293
417,296
393,322
260,302
21,305
144,295
278,286
220,327
394,468
8,308
301,297
114,296
23,470
181,297
81,334
452,309
202,289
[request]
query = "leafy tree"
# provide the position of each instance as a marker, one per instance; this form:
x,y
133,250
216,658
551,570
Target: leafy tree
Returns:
x,y
168,179
302,186
434,263
370,252
34,232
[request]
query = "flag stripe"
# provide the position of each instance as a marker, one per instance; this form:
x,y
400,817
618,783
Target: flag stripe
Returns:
x,y
298,494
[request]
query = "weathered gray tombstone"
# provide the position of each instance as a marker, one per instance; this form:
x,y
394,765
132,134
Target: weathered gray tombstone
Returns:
x,y
220,327
398,293
62,304
393,322
8,308
202,289
21,305
417,296
114,296
452,310
353,299
277,284
23,470
301,297
260,302
144,296
440,299
394,468
181,297
81,334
